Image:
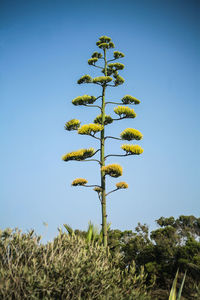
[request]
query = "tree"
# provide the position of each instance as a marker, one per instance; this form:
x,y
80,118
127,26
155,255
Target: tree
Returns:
x,y
110,78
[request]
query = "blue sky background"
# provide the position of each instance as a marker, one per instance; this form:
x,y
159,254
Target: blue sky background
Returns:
x,y
44,48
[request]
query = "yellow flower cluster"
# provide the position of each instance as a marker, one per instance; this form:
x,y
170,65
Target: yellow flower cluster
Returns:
x,y
124,111
90,128
118,54
122,185
85,79
105,42
96,54
79,154
118,80
82,100
104,39
73,124
108,120
102,79
127,99
114,170
92,61
97,189
79,181
116,66
132,149
131,134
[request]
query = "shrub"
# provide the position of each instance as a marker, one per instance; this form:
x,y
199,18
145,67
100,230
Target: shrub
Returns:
x,y
67,268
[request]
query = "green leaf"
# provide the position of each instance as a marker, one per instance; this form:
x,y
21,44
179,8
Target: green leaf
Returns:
x,y
69,229
181,288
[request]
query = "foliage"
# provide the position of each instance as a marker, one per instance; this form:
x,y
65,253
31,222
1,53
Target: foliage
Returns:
x,y
75,265
172,295
68,268
162,252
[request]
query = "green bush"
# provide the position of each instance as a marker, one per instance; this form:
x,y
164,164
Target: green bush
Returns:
x,y
67,268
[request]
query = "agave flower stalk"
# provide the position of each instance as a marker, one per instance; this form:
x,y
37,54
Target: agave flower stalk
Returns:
x,y
110,78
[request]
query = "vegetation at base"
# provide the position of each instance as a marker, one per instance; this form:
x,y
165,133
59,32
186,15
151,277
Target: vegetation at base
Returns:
x,y
68,268
137,264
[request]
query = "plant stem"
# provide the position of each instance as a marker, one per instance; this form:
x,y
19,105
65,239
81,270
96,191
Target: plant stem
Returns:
x,y
103,178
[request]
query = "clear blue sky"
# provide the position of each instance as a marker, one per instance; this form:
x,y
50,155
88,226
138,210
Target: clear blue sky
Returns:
x,y
44,48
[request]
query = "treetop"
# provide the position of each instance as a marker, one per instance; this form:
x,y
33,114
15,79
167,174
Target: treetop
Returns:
x,y
104,39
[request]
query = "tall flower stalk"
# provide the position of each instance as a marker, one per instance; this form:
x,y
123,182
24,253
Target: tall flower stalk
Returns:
x,y
111,78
